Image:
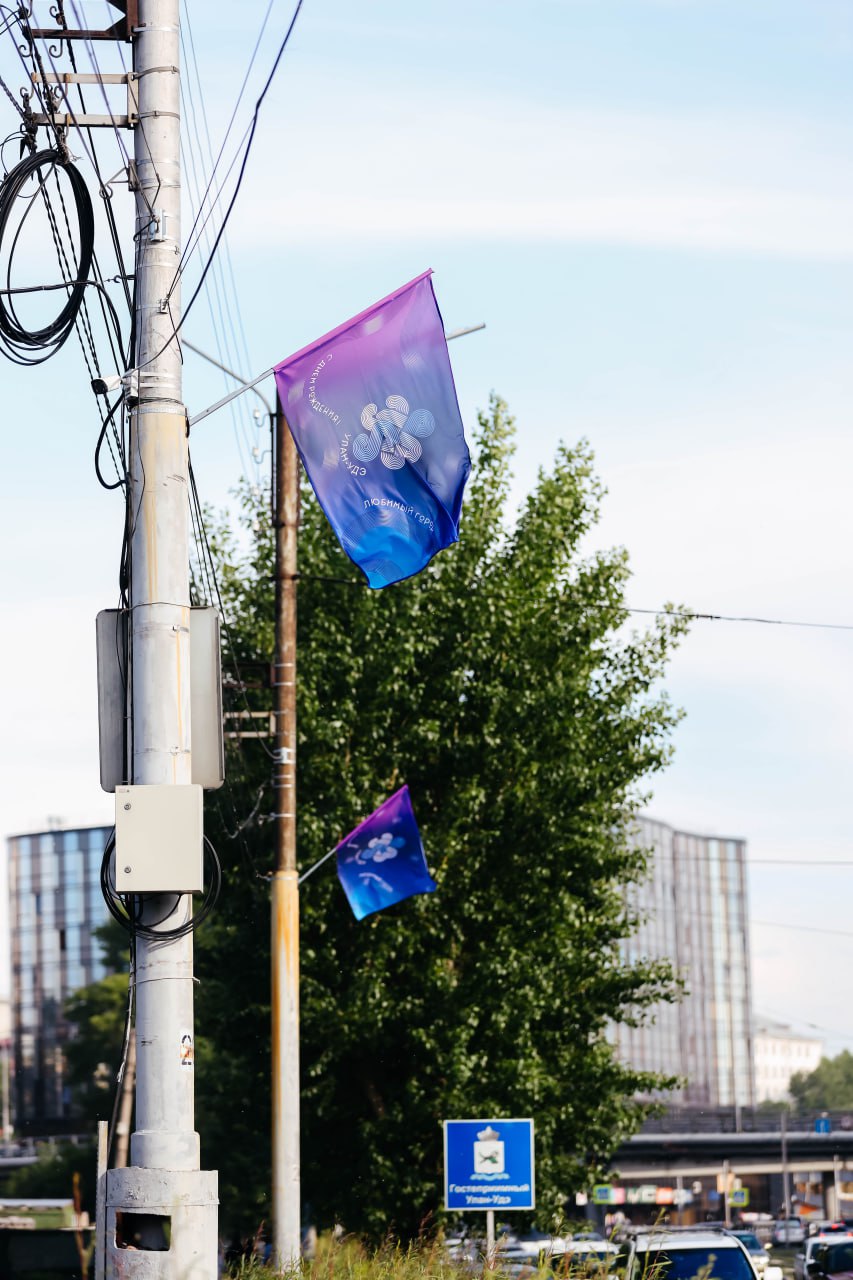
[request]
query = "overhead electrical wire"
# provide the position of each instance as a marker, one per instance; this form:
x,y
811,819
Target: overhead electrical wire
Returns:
x,y
223,301
126,908
250,137
689,615
206,127
192,240
21,344
80,270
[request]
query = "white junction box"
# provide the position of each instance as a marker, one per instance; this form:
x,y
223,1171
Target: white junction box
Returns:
x,y
159,839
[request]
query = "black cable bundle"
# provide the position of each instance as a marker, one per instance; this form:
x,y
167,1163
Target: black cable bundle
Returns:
x,y
126,909
17,342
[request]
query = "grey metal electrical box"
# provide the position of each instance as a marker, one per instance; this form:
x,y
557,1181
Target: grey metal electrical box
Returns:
x,y
208,751
159,838
208,745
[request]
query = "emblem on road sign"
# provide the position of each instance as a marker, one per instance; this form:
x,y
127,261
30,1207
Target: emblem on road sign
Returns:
x,y
488,1152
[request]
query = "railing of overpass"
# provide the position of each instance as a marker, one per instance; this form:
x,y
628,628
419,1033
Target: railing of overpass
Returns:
x,y
743,1120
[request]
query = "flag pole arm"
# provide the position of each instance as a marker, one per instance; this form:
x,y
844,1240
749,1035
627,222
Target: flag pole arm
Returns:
x,y
311,870
460,333
232,395
247,386
238,377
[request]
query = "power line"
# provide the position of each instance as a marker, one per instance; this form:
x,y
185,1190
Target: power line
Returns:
x,y
801,928
230,208
223,303
191,244
689,615
726,617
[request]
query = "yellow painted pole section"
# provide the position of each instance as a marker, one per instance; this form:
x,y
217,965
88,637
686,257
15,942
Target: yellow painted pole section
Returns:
x,y
285,1067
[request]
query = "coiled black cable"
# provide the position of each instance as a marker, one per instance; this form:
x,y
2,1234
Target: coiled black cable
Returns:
x,y
126,909
17,342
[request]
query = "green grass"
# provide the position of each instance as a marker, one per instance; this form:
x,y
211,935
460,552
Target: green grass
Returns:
x,y
349,1259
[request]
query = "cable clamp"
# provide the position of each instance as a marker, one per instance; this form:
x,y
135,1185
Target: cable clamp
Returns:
x,y
157,229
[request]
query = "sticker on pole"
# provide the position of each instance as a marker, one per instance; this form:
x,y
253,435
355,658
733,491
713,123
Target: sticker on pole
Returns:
x,y
488,1164
187,1050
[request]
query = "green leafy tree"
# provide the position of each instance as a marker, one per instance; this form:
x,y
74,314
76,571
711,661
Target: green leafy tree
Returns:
x,y
93,1054
52,1176
828,1088
97,1015
503,685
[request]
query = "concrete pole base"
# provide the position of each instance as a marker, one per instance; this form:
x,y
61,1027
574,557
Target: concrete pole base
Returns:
x,y
161,1224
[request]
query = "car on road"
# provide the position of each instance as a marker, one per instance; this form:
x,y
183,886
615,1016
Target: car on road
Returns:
x,y
788,1231
832,1258
662,1253
756,1250
588,1254
569,1257
804,1256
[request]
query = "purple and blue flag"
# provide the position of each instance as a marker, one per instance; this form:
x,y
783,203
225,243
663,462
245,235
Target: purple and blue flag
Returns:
x,y
373,412
382,861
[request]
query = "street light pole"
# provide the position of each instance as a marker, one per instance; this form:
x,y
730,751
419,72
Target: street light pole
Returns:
x,y
162,1199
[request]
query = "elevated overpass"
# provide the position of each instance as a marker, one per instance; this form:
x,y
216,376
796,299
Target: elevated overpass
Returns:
x,y
685,1157
648,1156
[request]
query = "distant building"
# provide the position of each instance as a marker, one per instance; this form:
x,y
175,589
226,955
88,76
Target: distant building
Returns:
x,y
694,905
54,904
780,1052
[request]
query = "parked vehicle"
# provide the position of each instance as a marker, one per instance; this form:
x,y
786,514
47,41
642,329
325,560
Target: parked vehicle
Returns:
x,y
788,1231
587,1254
832,1258
583,1255
756,1250
804,1256
683,1253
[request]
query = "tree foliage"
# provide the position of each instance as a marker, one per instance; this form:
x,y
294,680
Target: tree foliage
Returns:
x,y
503,686
52,1175
828,1088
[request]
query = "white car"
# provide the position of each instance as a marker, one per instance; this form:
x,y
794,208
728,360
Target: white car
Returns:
x,y
788,1231
682,1254
524,1257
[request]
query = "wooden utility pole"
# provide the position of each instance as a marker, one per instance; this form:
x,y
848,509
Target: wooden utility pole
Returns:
x,y
125,1113
286,1193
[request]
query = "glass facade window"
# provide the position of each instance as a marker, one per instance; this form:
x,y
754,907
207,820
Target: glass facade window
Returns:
x,y
693,908
55,903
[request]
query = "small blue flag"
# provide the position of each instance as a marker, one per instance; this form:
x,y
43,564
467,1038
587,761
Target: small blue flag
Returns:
x,y
382,861
373,412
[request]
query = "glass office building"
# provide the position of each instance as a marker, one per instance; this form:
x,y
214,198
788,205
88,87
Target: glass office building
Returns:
x,y
54,904
695,913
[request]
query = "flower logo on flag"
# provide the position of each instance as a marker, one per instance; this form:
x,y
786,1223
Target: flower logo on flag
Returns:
x,y
393,433
381,848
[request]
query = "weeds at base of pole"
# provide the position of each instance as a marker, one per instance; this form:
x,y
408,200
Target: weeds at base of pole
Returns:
x,y
350,1259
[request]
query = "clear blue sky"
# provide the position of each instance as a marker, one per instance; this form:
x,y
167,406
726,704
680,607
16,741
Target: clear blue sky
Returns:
x,y
650,203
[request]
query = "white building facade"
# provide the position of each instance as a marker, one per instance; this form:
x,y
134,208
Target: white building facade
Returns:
x,y
780,1052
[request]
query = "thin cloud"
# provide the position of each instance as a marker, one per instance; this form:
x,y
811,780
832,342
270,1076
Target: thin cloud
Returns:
x,y
507,170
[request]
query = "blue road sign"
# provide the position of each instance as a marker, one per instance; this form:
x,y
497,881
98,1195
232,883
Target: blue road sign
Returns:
x,y
823,1124
488,1164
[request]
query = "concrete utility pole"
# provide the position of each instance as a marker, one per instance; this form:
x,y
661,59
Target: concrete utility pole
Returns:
x,y
162,1200
284,947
